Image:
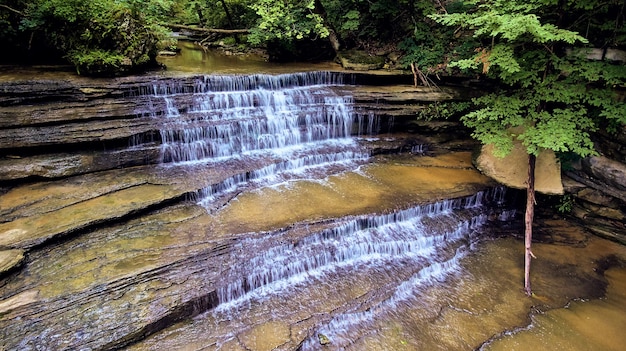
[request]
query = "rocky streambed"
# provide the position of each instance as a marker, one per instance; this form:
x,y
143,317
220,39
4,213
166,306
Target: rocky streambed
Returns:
x,y
105,245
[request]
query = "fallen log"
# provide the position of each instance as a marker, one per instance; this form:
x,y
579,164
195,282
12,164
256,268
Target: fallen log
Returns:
x,y
207,30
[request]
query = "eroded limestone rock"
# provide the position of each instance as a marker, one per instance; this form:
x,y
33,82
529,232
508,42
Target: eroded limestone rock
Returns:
x,y
512,170
610,172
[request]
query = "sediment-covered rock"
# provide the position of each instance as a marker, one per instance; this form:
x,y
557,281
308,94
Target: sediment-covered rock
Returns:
x,y
9,259
115,285
115,251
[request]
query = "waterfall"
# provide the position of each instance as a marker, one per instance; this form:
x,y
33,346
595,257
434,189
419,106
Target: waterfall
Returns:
x,y
295,126
421,234
295,120
229,116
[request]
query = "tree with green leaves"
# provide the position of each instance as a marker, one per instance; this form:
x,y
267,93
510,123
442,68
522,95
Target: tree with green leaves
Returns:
x,y
101,37
287,20
551,95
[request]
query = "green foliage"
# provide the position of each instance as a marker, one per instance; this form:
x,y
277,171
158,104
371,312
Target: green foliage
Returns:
x,y
9,22
97,62
444,110
286,20
211,14
351,21
96,32
567,160
566,204
426,47
547,98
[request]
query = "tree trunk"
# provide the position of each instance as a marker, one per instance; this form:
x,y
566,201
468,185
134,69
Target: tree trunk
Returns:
x,y
229,18
418,74
201,19
207,30
332,34
13,10
530,212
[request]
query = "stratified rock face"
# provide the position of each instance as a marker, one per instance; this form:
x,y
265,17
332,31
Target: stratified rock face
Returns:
x,y
607,171
157,213
512,170
60,128
598,186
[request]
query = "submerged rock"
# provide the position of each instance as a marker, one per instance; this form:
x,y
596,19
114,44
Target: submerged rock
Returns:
x,y
323,339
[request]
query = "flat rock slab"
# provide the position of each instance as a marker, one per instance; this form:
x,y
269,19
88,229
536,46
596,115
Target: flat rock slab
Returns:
x,y
9,259
62,165
39,212
32,231
403,94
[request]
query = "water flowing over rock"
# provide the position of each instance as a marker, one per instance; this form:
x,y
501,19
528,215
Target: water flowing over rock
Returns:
x,y
193,199
53,129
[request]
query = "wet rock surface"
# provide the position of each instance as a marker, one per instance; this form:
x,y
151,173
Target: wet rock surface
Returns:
x,y
139,276
115,248
106,247
10,259
62,128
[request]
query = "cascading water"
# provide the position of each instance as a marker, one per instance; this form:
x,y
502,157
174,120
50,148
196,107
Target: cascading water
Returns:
x,y
390,256
275,128
294,120
299,124
372,240
358,260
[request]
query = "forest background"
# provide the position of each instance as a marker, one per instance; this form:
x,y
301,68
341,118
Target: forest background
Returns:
x,y
117,36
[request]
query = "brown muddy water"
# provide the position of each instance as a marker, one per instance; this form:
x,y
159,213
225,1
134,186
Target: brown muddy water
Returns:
x,y
193,59
481,307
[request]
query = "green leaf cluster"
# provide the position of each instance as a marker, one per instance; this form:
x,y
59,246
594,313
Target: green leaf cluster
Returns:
x,y
286,20
548,97
211,14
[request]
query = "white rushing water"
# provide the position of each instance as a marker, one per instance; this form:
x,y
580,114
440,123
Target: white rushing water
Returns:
x,y
299,126
264,130
366,239
296,120
432,237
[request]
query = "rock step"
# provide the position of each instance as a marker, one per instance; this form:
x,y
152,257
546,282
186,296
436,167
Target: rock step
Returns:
x,y
36,213
118,284
9,259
